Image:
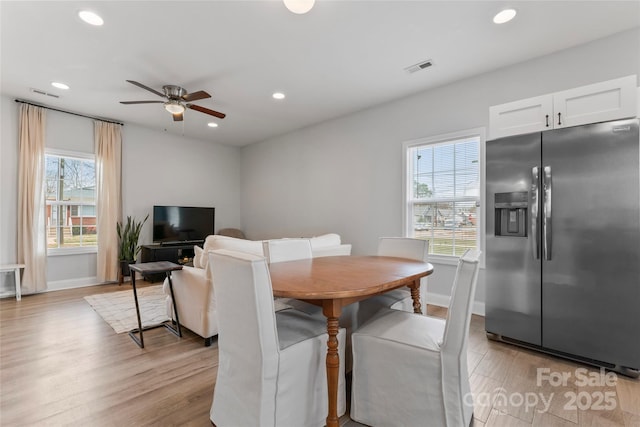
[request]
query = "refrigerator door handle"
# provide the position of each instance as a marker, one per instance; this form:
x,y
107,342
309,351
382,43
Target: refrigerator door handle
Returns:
x,y
533,208
546,219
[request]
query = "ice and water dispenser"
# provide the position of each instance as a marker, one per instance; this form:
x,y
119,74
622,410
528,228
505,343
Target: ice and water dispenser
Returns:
x,y
511,214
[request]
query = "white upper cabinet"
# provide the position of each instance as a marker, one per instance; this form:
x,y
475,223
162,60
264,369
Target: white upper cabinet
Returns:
x,y
610,100
520,117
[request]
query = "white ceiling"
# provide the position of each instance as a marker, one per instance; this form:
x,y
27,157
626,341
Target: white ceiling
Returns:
x,y
341,57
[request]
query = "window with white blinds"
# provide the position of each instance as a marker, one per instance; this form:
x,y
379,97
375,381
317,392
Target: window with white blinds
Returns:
x,y
443,192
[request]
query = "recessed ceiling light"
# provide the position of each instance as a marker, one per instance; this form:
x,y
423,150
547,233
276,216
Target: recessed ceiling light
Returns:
x,y
212,125
278,95
60,85
504,16
299,6
90,17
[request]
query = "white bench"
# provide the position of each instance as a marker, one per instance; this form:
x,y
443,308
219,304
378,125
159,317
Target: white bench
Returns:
x,y
15,268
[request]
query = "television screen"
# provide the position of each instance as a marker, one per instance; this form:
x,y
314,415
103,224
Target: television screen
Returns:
x,y
174,224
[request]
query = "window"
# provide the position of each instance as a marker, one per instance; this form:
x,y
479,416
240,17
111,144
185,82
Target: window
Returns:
x,y
70,188
443,183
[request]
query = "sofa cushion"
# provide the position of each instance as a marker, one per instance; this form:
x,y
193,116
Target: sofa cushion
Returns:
x,y
324,240
215,242
324,245
198,257
339,250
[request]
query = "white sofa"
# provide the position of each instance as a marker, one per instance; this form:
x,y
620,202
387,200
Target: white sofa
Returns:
x,y
195,291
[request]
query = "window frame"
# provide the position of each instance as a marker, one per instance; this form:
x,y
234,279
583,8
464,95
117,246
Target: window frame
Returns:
x,y
79,155
407,184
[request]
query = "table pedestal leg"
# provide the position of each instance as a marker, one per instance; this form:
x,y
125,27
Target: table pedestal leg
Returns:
x,y
332,311
415,295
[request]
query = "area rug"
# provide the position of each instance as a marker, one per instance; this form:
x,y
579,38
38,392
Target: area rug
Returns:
x,y
118,309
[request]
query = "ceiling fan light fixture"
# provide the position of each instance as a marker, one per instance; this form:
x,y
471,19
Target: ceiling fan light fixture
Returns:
x,y
177,100
299,6
174,107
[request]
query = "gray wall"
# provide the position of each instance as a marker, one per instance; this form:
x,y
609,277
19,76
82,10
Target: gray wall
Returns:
x,y
344,175
157,168
160,169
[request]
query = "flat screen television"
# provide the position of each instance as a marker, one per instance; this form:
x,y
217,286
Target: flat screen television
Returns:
x,y
182,224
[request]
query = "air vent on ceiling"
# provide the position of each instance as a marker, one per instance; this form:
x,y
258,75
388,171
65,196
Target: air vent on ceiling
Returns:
x,y
419,66
41,92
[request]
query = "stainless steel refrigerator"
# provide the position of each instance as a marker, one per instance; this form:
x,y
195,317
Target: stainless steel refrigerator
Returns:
x,y
563,243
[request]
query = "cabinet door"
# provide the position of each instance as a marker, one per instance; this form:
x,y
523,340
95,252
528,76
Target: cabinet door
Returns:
x,y
520,117
599,102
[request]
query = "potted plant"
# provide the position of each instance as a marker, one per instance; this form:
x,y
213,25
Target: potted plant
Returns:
x,y
128,235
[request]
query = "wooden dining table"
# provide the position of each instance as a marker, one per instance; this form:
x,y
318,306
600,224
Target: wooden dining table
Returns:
x,y
337,281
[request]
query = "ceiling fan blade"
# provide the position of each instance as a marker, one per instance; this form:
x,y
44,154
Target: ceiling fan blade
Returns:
x,y
194,96
207,111
140,85
142,102
177,117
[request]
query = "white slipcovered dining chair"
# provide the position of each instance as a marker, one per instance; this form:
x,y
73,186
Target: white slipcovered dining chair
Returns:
x,y
269,363
410,369
280,250
397,299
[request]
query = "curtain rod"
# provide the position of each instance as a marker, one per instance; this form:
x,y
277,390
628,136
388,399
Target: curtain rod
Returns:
x,y
68,112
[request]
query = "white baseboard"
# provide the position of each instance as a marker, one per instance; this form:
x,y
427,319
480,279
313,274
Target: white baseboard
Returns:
x,y
7,294
58,285
443,301
81,282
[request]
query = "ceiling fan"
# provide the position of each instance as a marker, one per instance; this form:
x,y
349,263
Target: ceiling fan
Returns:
x,y
177,100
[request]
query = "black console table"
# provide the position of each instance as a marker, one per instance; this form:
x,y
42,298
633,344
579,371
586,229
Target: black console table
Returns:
x,y
177,253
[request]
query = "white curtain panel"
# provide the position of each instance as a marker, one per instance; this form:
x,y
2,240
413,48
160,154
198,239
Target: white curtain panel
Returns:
x,y
108,140
32,240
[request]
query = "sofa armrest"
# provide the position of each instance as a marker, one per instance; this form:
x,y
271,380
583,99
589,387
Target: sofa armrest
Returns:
x,y
195,300
189,279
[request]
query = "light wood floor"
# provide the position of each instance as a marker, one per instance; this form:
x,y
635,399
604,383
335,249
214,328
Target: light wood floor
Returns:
x,y
61,364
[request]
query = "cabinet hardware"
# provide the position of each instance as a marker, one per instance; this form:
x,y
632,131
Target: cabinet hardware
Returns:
x,y
547,120
559,121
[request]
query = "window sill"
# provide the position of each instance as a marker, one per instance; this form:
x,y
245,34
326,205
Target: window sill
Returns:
x,y
71,251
